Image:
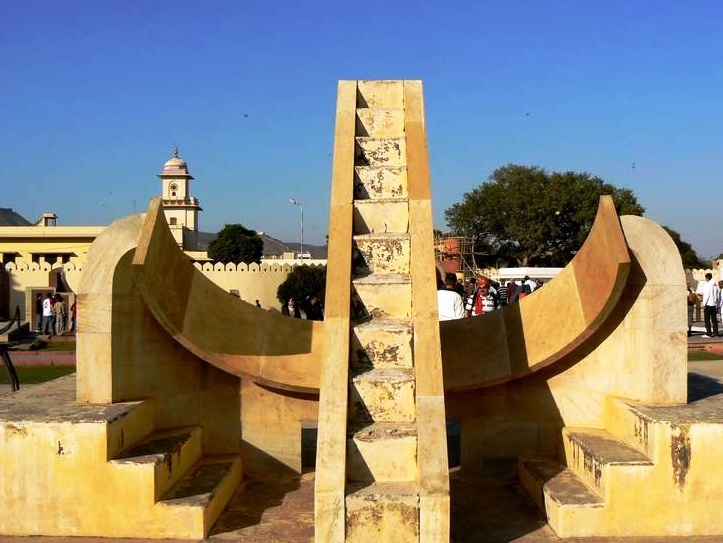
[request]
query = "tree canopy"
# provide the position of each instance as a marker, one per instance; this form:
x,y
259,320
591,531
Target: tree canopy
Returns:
x,y
529,217
236,244
303,281
690,258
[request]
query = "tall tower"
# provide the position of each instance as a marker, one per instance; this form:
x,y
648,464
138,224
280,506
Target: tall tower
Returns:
x,y
180,208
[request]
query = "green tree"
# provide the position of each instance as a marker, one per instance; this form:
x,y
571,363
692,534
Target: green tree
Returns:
x,y
690,258
531,217
236,244
303,281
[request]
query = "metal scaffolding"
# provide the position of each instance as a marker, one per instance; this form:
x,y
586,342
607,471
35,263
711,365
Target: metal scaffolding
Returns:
x,y
456,252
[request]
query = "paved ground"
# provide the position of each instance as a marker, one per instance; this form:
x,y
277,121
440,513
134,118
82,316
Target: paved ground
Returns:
x,y
27,352
282,511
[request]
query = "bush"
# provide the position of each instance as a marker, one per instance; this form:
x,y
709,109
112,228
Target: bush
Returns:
x,y
303,281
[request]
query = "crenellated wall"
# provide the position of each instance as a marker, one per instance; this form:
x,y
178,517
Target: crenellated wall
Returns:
x,y
252,282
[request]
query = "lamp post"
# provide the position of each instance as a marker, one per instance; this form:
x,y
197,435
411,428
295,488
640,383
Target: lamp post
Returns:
x,y
294,201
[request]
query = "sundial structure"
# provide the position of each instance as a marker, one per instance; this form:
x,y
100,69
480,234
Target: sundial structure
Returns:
x,y
580,390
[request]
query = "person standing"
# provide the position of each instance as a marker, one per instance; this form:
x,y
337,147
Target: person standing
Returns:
x,y
290,309
60,314
711,300
502,294
692,299
314,308
73,314
39,312
449,302
48,315
482,301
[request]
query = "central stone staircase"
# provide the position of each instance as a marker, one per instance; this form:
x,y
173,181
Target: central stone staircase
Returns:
x,y
391,439
382,447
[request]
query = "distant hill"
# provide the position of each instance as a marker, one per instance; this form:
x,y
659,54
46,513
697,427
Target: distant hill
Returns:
x,y
8,217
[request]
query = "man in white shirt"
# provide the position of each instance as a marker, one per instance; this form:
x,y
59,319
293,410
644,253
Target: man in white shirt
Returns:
x,y
48,323
711,299
449,302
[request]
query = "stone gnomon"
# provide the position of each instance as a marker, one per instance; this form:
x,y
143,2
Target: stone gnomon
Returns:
x,y
182,389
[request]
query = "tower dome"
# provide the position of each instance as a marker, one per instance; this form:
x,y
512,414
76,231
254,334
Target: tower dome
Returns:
x,y
175,163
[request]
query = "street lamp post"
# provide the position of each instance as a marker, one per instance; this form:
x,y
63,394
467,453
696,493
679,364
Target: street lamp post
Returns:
x,y
295,202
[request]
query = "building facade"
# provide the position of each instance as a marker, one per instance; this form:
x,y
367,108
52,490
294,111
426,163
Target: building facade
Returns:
x,y
44,257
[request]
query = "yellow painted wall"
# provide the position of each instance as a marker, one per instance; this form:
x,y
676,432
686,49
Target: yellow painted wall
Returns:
x,y
252,282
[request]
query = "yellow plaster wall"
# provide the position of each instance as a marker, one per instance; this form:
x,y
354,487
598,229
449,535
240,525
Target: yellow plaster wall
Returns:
x,y
271,424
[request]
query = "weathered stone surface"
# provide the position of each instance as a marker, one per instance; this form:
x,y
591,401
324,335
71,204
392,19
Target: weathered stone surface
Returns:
x,y
380,122
389,152
382,452
381,216
383,512
383,395
384,253
382,343
376,182
385,296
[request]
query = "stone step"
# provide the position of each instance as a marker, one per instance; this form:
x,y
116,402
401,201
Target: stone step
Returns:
x,y
381,216
630,424
385,296
382,253
381,452
601,460
379,182
380,122
376,94
201,495
382,512
383,395
565,500
382,343
52,408
129,426
159,461
390,152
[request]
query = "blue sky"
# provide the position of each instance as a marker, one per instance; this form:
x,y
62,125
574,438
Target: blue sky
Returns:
x,y
94,94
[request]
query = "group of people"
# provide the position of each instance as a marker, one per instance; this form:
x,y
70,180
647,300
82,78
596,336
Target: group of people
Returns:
x,y
51,315
455,300
311,308
481,295
712,303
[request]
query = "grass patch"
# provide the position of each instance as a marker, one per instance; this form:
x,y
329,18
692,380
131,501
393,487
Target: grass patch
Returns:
x,y
31,375
696,356
59,346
